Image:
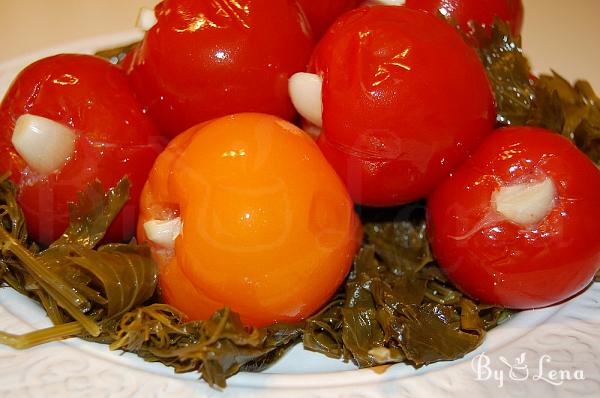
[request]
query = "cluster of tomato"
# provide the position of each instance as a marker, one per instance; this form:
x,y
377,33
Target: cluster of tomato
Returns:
x,y
246,210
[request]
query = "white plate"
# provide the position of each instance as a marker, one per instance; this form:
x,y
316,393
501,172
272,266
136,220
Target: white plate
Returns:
x,y
555,350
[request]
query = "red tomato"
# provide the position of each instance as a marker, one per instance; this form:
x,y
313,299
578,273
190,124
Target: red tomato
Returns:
x,y
114,138
404,101
205,59
267,227
127,60
482,12
322,13
500,259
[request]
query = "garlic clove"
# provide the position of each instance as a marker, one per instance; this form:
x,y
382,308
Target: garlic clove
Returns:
x,y
44,144
146,19
525,204
163,232
306,94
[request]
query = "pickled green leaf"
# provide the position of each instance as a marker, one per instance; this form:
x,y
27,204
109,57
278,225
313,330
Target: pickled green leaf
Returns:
x,y
71,280
570,110
323,331
93,213
398,306
509,74
217,348
548,101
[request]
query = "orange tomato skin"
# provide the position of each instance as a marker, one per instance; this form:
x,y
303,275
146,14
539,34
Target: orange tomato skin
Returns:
x,y
268,227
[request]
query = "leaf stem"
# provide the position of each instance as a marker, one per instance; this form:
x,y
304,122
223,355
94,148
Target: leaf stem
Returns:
x,y
49,282
37,337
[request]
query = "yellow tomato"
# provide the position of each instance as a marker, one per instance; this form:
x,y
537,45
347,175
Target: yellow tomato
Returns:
x,y
267,227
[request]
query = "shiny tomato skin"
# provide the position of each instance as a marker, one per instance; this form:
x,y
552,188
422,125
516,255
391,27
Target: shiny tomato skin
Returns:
x,y
268,227
404,101
114,139
498,261
205,59
322,13
482,12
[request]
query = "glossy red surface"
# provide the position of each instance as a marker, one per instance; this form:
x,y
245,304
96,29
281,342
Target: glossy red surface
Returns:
x,y
205,59
404,101
115,138
479,11
322,13
501,262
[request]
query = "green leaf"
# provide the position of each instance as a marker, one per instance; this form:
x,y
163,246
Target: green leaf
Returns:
x,y
13,220
508,72
123,275
427,334
217,348
93,213
72,281
548,101
398,306
570,110
323,331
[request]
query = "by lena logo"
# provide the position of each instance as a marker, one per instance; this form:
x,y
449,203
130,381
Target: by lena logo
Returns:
x,y
520,370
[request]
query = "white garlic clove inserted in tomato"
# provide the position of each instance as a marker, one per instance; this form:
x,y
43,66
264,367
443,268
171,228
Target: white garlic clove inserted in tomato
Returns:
x,y
44,144
163,232
526,203
306,94
146,19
